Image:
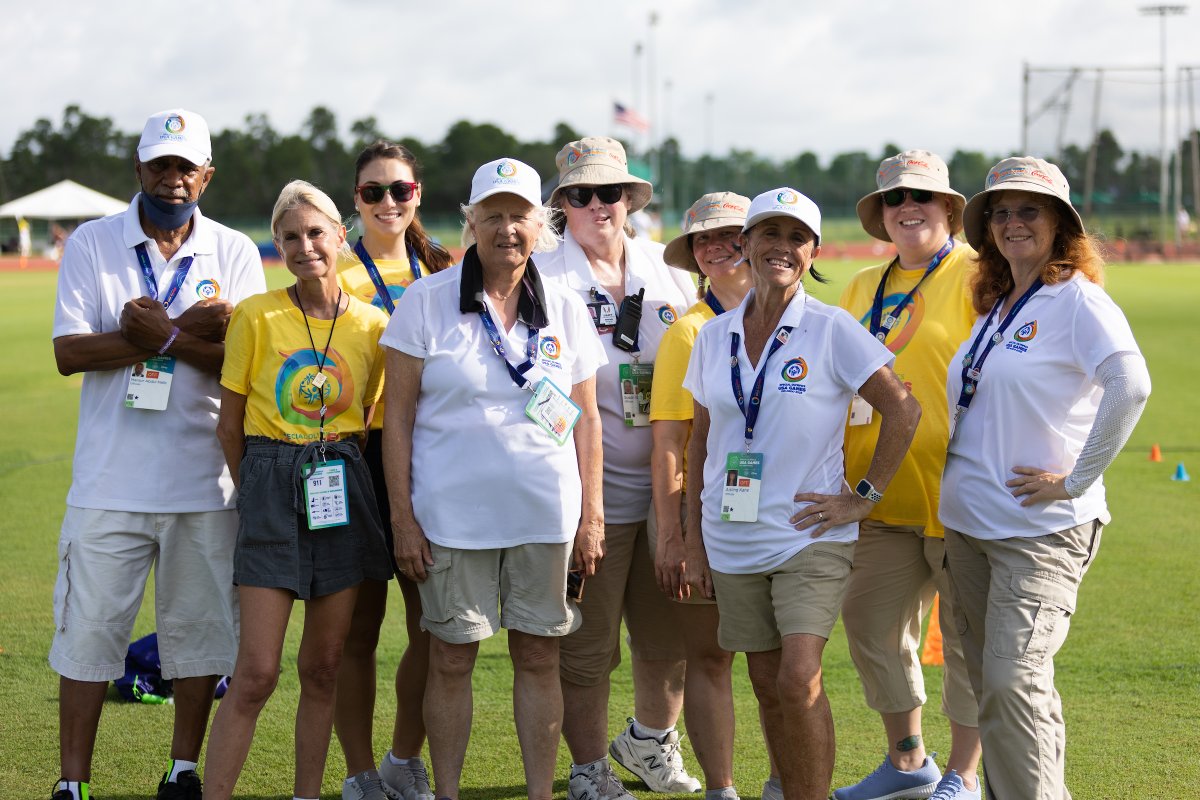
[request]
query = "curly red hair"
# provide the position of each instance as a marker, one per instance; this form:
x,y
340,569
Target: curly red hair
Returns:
x,y
1074,249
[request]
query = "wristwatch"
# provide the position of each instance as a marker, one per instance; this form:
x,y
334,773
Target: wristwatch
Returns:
x,y
865,490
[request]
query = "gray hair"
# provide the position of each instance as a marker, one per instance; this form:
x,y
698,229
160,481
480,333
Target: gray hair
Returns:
x,y
302,193
547,241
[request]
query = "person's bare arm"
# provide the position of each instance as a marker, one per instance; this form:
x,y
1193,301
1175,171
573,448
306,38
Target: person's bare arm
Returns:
x,y
696,569
666,480
589,453
401,388
231,430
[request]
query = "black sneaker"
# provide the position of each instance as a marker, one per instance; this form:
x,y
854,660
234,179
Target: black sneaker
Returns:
x,y
186,786
65,794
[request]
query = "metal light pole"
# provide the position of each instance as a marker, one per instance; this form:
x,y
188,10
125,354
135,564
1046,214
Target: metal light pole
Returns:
x,y
1162,12
651,104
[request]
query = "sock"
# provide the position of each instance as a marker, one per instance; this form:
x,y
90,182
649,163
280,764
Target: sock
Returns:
x,y
400,762
78,789
642,732
725,793
579,769
178,766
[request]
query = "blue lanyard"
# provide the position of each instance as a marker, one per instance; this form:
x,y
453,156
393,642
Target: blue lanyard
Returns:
x,y
881,326
373,272
518,372
148,274
735,376
714,303
972,369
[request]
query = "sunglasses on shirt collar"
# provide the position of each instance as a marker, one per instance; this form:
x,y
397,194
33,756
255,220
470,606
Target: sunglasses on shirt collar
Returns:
x,y
895,197
372,193
581,196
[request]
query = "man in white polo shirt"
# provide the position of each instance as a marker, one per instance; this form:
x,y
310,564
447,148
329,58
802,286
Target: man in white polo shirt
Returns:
x,y
144,297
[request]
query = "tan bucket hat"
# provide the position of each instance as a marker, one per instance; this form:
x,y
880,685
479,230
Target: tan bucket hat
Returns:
x,y
912,169
1020,174
599,161
713,210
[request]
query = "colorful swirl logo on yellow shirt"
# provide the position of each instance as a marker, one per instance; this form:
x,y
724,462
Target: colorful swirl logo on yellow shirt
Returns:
x,y
1026,332
795,370
299,400
909,322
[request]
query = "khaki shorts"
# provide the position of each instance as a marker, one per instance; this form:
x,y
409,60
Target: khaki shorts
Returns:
x,y
527,583
652,534
897,573
104,559
802,595
624,582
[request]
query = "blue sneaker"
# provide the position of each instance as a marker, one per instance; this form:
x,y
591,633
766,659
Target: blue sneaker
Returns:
x,y
951,787
889,783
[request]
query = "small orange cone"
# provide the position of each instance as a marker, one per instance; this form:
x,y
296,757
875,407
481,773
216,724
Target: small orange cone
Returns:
x,y
1155,453
931,655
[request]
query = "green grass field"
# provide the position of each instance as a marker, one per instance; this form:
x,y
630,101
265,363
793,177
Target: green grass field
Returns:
x,y
1129,673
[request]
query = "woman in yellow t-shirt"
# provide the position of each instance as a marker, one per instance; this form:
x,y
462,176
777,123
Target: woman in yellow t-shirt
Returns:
x,y
919,306
302,371
394,251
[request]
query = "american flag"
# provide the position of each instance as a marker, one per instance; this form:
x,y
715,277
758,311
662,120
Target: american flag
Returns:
x,y
630,118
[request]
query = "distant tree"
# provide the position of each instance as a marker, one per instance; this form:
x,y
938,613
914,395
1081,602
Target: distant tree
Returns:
x,y
86,149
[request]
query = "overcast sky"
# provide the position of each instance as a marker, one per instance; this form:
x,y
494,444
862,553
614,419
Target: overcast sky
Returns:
x,y
784,76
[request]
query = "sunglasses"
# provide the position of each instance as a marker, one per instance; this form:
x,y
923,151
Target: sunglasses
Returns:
x,y
581,196
1002,216
372,193
895,197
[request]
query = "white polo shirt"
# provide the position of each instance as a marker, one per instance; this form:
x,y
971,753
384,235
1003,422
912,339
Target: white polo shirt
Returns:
x,y
483,474
626,448
130,459
799,429
1034,407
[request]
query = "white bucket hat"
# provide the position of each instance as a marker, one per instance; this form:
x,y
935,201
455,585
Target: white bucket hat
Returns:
x,y
599,161
506,176
711,211
175,132
784,202
1021,174
912,169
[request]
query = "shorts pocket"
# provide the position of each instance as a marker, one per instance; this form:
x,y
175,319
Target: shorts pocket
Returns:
x,y
1034,621
62,585
439,591
267,518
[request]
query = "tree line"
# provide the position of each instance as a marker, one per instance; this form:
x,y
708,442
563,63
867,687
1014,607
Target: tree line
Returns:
x,y
254,161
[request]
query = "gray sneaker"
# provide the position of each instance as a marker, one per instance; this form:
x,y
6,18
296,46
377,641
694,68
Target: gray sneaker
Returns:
x,y
771,791
364,786
596,782
657,763
405,781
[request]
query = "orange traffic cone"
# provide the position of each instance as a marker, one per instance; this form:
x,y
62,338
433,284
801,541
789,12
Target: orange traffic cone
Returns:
x,y
931,655
1155,453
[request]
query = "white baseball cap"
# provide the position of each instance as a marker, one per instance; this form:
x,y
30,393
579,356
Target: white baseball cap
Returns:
x,y
784,202
175,132
506,175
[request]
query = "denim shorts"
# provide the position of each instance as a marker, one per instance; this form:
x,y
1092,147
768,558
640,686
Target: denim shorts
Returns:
x,y
276,549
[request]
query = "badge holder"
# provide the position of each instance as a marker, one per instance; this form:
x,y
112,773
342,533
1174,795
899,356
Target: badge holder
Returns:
x,y
325,493
636,381
602,310
860,412
150,383
743,484
553,410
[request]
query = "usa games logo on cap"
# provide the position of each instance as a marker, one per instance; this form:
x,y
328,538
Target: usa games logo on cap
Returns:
x,y
506,175
175,132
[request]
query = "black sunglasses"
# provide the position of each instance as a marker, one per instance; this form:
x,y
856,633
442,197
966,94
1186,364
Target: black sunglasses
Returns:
x,y
895,197
581,196
372,193
1002,216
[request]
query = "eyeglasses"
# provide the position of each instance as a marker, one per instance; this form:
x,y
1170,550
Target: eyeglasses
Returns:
x,y
895,197
1002,216
581,196
372,193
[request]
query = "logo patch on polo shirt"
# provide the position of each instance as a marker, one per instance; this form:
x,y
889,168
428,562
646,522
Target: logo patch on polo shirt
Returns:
x,y
1024,334
667,314
208,290
793,373
551,350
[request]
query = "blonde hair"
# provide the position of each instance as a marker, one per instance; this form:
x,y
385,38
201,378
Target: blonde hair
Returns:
x,y
303,193
547,241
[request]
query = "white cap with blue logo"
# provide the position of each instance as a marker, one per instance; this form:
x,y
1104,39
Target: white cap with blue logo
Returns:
x,y
506,175
175,132
784,202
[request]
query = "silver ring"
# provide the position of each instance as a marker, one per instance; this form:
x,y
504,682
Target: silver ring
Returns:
x,y
820,516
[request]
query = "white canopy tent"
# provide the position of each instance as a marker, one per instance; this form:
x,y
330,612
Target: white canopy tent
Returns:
x,y
64,200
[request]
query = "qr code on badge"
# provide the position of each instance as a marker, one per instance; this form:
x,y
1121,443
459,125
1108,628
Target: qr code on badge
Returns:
x,y
335,481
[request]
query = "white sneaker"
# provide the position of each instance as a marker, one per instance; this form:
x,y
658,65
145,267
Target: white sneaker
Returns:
x,y
658,764
405,781
596,782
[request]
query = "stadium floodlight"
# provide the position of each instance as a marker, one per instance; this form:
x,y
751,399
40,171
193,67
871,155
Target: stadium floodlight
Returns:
x,y
1162,12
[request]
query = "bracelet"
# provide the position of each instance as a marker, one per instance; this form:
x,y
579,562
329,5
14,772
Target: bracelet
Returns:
x,y
170,341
